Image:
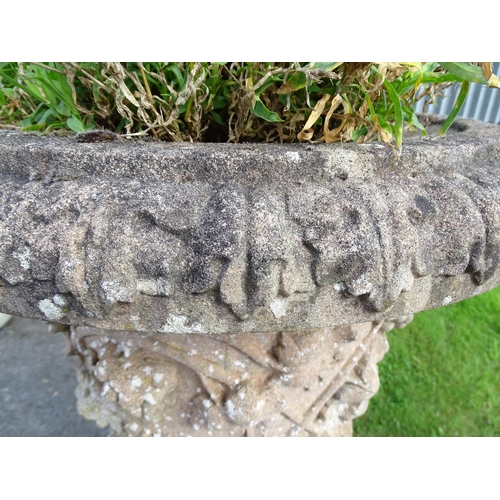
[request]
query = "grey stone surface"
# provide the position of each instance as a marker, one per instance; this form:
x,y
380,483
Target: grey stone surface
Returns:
x,y
216,238
37,384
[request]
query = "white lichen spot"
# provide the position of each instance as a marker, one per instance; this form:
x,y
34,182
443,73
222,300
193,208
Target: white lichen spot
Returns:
x,y
278,307
125,349
447,300
134,427
362,286
231,410
192,352
23,257
147,370
157,433
148,397
211,368
158,377
135,322
260,404
239,363
126,365
196,427
115,293
177,324
339,287
136,382
293,156
52,311
147,287
206,403
59,300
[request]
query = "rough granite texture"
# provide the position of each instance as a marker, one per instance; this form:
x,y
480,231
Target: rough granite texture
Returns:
x,y
217,238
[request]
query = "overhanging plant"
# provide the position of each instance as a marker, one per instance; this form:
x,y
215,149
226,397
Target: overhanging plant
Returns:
x,y
233,102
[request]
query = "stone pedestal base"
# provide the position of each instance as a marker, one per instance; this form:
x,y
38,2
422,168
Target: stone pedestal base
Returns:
x,y
303,383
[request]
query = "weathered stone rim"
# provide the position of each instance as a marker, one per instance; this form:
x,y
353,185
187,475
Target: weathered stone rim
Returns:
x,y
252,182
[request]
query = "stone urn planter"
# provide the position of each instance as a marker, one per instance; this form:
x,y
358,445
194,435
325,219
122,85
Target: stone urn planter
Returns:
x,y
216,289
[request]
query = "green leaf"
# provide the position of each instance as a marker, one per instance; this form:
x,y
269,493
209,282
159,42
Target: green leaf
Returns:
x,y
260,110
75,124
177,75
34,128
46,114
218,119
386,127
267,83
90,123
380,125
15,83
469,72
413,121
8,92
398,114
359,132
220,102
55,88
326,66
464,90
295,82
62,109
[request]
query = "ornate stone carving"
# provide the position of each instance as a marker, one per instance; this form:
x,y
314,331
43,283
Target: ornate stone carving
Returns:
x,y
205,238
302,383
142,242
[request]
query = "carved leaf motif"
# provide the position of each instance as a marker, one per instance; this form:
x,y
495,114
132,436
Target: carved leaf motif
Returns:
x,y
106,244
309,382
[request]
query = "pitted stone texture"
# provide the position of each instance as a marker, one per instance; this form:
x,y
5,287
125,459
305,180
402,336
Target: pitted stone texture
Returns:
x,y
218,238
301,383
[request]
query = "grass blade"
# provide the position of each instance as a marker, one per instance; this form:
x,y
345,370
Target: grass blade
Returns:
x,y
456,107
471,73
398,114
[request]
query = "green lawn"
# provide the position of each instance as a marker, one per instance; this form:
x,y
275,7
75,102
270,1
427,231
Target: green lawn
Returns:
x,y
441,376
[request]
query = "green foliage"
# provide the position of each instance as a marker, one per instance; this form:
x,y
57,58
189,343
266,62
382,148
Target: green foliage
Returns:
x,y
441,375
221,101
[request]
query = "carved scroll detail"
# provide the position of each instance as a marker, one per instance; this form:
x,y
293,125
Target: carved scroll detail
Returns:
x,y
309,382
